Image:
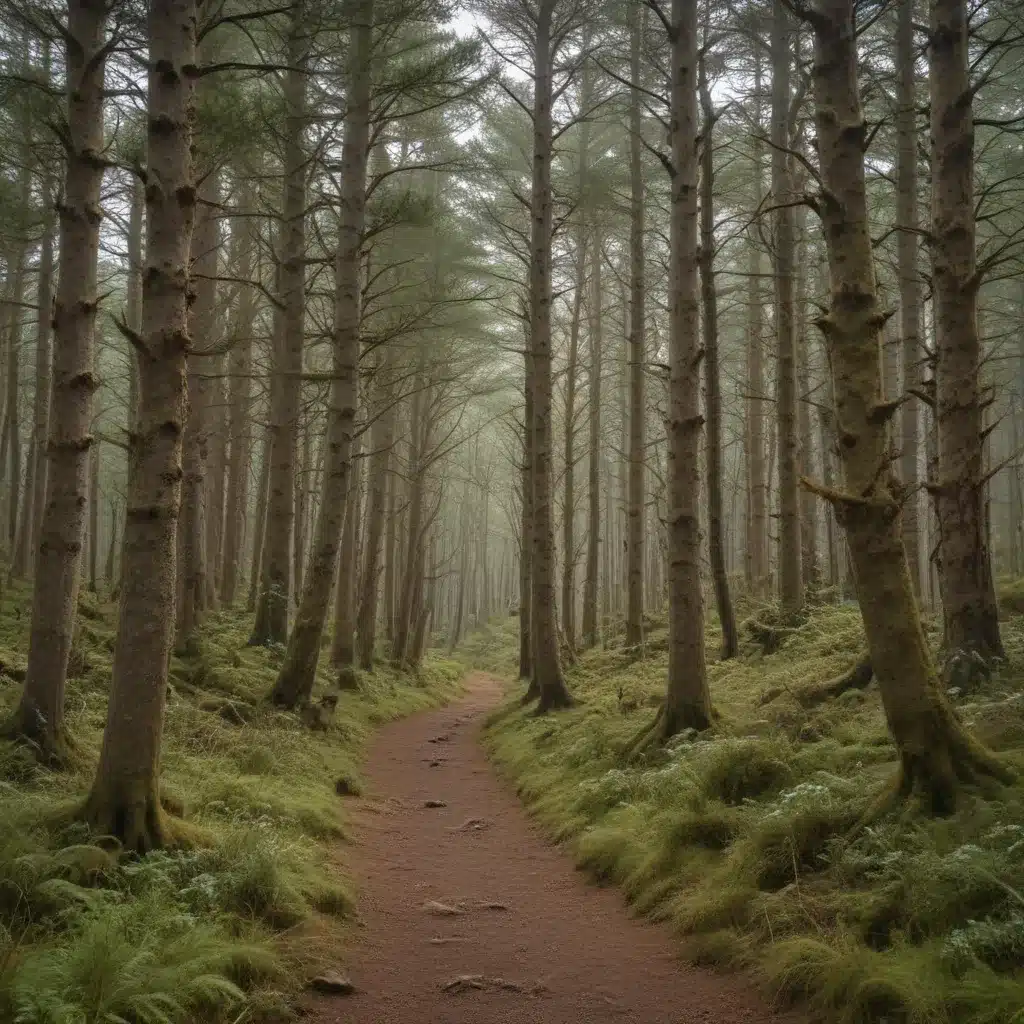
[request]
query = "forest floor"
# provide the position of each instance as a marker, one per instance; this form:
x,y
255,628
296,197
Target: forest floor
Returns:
x,y
251,903
747,841
469,916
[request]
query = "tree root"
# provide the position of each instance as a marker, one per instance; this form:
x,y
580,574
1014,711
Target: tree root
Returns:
x,y
649,735
772,632
856,678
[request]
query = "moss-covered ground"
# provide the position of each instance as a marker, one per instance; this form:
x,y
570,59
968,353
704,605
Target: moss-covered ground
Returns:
x,y
747,839
229,925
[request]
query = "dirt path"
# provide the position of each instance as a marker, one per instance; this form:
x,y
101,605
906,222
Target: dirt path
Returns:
x,y
568,951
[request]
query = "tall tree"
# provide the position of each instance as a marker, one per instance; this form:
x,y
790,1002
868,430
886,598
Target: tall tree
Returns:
x,y
969,609
125,798
298,672
688,700
712,367
271,626
40,714
784,250
635,505
937,754
909,276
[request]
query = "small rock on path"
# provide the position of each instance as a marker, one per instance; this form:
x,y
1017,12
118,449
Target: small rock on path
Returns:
x,y
574,951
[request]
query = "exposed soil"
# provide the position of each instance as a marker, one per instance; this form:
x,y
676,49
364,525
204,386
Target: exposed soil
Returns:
x,y
470,917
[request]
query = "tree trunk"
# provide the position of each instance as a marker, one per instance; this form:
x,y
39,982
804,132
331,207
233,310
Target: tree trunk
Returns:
x,y
125,799
712,371
239,402
688,701
637,355
758,570
298,673
791,591
969,609
94,516
383,438
133,305
271,625
192,561
34,495
569,452
590,626
40,714
936,752
547,669
909,280
416,472
808,500
259,529
343,643
525,531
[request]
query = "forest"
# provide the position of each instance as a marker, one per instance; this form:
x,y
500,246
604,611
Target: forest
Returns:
x,y
629,391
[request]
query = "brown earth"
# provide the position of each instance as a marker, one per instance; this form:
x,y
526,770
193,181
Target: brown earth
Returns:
x,y
470,917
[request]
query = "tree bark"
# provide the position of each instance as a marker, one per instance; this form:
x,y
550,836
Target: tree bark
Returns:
x,y
271,625
791,589
758,570
239,402
343,642
40,713
193,566
383,439
590,625
569,451
936,752
712,370
34,494
637,355
298,672
547,668
968,597
125,800
526,530
909,280
688,701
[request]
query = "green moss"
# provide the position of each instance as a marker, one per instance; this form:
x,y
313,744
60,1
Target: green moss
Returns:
x,y
207,931
746,838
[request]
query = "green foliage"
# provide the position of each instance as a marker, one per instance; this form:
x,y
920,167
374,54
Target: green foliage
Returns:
x,y
236,915
747,839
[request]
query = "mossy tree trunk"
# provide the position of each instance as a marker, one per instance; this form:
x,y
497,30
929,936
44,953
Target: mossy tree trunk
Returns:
x,y
936,752
298,672
125,800
547,668
688,701
40,713
969,608
271,626
712,369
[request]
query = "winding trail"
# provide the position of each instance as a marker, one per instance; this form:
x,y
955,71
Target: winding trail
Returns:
x,y
472,890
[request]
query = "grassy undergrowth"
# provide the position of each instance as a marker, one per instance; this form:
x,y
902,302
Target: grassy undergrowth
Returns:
x,y
228,927
742,838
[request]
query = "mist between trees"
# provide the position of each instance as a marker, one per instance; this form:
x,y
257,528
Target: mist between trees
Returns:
x,y
374,320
